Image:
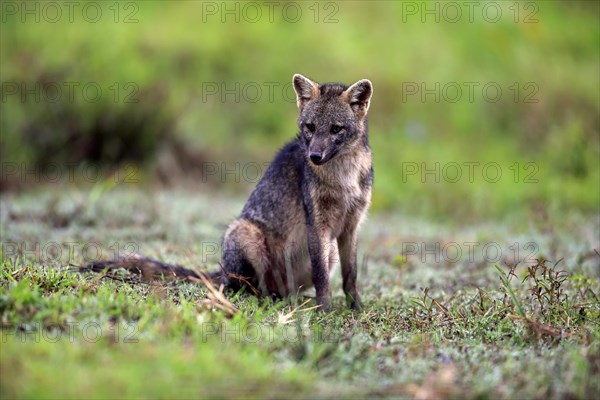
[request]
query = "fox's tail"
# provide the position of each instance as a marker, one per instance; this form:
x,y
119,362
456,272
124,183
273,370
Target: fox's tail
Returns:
x,y
149,269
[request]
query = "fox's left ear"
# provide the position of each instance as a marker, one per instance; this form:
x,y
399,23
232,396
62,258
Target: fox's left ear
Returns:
x,y
359,95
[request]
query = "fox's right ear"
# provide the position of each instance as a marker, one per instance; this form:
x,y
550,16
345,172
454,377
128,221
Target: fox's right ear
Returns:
x,y
306,89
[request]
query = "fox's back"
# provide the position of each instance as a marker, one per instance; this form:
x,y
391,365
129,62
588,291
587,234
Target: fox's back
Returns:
x,y
276,201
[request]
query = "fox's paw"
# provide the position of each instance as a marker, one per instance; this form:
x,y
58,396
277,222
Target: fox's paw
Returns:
x,y
354,302
325,304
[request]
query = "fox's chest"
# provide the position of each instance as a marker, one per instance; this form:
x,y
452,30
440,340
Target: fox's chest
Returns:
x,y
341,191
334,209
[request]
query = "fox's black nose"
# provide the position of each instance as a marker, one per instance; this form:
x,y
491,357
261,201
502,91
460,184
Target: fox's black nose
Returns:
x,y
315,157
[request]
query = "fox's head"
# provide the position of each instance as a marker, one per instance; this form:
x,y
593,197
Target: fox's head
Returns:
x,y
333,117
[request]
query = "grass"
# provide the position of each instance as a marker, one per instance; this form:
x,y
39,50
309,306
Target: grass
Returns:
x,y
435,324
474,287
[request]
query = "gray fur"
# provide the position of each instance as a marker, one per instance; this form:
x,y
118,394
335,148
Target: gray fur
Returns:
x,y
303,216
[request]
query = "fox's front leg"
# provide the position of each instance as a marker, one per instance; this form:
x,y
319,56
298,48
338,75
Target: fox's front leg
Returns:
x,y
319,259
347,244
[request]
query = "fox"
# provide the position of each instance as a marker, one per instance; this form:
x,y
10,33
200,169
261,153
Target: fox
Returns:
x,y
305,212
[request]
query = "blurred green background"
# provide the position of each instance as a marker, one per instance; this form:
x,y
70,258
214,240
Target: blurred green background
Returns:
x,y
172,87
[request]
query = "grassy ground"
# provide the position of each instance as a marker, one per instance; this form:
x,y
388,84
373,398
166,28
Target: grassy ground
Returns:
x,y
446,314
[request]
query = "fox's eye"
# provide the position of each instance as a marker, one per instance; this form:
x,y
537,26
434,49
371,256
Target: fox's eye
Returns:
x,y
310,127
336,128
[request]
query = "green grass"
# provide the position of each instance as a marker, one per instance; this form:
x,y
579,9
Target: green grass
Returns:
x,y
458,300
433,325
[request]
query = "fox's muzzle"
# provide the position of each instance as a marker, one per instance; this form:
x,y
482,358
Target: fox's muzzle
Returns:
x,y
316,157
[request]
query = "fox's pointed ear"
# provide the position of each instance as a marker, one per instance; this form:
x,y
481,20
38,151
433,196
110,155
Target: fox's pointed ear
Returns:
x,y
359,95
305,89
